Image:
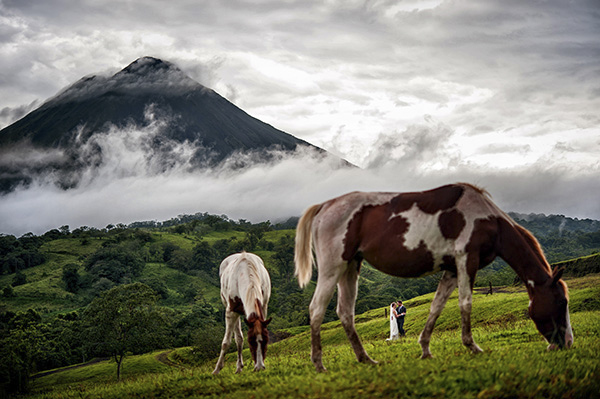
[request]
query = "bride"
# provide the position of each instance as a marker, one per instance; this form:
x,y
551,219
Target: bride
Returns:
x,y
393,323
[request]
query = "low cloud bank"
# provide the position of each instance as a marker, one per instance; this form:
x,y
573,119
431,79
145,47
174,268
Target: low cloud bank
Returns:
x,y
135,181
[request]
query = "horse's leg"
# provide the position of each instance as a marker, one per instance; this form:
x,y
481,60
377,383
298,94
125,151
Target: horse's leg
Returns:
x,y
465,300
230,319
445,287
347,289
323,292
239,340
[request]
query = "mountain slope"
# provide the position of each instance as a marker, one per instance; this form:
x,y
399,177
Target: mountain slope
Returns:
x,y
148,94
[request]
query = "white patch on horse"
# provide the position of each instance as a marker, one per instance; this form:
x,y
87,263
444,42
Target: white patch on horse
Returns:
x,y
531,283
569,333
464,286
424,227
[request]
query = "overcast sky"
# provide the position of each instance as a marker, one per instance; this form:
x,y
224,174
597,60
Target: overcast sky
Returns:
x,y
500,93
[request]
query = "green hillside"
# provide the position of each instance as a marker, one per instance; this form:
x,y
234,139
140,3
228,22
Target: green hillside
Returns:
x,y
48,282
581,266
514,363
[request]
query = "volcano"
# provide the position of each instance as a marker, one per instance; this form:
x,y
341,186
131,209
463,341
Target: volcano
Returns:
x,y
147,93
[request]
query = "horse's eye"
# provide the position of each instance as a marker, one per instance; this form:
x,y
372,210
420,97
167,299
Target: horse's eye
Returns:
x,y
563,302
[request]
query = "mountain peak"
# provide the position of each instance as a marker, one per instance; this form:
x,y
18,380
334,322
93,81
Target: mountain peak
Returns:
x,y
144,75
145,65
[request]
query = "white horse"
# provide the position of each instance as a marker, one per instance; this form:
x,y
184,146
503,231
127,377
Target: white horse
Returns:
x,y
245,290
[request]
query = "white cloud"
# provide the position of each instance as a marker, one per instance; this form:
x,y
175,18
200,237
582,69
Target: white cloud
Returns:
x,y
133,183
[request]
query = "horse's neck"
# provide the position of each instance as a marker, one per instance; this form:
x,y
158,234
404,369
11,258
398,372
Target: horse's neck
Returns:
x,y
253,298
522,252
255,307
249,286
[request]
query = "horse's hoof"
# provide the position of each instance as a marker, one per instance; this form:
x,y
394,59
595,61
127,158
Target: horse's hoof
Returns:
x,y
321,369
216,372
426,356
369,361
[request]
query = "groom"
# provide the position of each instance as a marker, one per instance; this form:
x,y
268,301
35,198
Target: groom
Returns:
x,y
401,311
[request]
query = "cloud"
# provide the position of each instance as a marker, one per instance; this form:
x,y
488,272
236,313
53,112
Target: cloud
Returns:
x,y
133,181
9,115
501,148
419,147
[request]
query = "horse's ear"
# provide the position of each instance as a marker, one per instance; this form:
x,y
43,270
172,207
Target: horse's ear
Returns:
x,y
557,274
250,320
266,322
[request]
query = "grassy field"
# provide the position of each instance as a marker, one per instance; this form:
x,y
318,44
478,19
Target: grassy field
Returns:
x,y
515,363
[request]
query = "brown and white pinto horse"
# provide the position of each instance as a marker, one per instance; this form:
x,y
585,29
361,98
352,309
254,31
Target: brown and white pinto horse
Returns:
x,y
245,290
456,229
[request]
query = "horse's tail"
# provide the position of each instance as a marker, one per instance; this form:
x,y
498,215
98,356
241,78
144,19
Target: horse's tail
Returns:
x,y
303,257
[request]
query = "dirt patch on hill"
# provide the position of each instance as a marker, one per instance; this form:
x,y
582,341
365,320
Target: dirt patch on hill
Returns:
x,y
163,357
498,290
76,366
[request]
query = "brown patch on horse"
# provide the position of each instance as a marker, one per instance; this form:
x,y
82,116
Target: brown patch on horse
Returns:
x,y
236,305
257,326
451,223
484,240
449,263
430,201
372,235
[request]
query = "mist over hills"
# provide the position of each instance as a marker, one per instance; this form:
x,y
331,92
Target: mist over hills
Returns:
x,y
151,104
150,143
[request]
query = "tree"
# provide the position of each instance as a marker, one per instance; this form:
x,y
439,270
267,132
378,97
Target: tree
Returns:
x,y
19,279
255,233
204,257
125,319
168,249
284,255
8,292
181,259
71,277
115,263
21,341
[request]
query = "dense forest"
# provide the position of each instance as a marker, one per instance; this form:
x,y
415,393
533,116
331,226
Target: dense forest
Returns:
x,y
70,296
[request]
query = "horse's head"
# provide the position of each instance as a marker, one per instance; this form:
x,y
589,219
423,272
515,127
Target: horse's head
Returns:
x,y
549,311
258,339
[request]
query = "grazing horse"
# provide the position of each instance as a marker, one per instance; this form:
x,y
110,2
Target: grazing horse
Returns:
x,y
245,290
456,229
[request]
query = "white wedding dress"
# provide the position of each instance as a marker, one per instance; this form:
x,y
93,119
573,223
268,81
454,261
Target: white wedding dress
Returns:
x,y
393,326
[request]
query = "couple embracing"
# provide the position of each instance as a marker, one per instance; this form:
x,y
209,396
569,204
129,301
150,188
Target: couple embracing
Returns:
x,y
397,313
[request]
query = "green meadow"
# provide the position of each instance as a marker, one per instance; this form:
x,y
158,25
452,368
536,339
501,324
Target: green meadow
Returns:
x,y
515,363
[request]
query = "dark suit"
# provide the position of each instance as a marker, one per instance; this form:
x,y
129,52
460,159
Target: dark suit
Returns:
x,y
400,320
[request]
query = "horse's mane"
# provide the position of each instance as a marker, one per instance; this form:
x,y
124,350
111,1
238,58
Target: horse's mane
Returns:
x,y
254,293
535,245
480,190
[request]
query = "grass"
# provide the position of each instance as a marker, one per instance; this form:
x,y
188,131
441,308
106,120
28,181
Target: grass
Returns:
x,y
182,241
514,363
